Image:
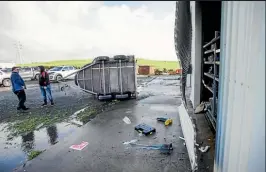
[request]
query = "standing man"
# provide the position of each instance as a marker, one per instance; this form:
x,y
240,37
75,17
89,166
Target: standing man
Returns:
x,y
18,87
45,86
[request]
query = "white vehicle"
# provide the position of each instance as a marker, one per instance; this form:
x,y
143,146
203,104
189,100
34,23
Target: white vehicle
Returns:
x,y
5,78
59,72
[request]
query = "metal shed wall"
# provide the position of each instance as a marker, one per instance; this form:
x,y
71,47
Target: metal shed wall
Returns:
x,y
240,137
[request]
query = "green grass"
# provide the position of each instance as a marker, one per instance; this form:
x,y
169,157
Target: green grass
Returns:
x,y
159,64
79,63
32,122
33,154
84,116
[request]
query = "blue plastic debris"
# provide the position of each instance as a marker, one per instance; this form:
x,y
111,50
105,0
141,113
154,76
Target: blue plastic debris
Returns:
x,y
145,129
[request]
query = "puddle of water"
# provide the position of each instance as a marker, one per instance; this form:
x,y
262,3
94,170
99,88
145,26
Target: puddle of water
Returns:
x,y
14,153
163,108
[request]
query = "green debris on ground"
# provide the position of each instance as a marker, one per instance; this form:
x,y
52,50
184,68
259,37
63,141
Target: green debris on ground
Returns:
x,y
86,115
19,125
33,154
29,123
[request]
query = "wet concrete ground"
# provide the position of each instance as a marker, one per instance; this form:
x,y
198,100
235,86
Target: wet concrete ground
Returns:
x,y
105,134
14,149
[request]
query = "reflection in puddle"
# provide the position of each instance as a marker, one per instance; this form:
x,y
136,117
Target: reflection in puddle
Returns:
x,y
27,142
14,153
52,133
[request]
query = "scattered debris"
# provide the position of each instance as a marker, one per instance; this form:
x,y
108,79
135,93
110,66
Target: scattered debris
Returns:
x,y
182,138
145,129
79,111
164,148
204,149
200,108
129,142
167,121
184,143
80,146
126,120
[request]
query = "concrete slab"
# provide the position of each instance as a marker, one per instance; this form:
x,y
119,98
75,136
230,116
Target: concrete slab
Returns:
x,y
107,132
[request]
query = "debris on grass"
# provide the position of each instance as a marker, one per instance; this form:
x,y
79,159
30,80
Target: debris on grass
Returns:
x,y
33,154
86,115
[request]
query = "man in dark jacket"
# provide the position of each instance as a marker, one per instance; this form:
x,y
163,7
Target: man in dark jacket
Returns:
x,y
18,87
45,86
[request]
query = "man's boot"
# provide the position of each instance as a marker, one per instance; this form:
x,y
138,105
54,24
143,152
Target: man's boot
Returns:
x,y
45,103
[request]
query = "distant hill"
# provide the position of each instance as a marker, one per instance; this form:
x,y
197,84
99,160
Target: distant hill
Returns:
x,y
79,63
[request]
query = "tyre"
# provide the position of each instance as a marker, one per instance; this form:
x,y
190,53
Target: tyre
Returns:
x,y
121,57
102,58
37,77
58,78
76,80
104,97
6,83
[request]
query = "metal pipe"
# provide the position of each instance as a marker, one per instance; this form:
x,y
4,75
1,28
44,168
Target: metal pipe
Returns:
x,y
214,76
103,79
91,80
120,77
83,79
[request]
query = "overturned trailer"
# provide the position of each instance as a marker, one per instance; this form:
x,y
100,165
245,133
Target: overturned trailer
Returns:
x,y
109,78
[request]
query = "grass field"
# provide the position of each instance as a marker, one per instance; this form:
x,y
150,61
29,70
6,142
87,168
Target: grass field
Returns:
x,y
79,63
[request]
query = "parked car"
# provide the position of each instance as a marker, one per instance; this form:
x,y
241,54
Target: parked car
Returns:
x,y
26,73
5,78
59,72
31,73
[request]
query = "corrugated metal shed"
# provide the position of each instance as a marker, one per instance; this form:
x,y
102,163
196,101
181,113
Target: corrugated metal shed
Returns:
x,y
240,138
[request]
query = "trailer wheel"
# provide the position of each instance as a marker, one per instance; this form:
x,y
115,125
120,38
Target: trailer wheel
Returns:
x,y
76,80
121,57
102,58
105,97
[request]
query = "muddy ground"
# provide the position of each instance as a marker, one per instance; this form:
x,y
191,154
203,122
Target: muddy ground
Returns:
x,y
23,133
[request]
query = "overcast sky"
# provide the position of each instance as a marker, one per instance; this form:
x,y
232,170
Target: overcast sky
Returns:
x,y
77,30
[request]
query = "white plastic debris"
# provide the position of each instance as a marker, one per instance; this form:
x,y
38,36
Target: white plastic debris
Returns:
x,y
199,108
182,138
204,149
126,120
129,142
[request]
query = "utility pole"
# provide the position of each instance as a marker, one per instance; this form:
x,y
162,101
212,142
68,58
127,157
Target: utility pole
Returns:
x,y
18,46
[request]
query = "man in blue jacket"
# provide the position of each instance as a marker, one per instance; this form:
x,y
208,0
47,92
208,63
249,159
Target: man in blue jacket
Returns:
x,y
18,87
